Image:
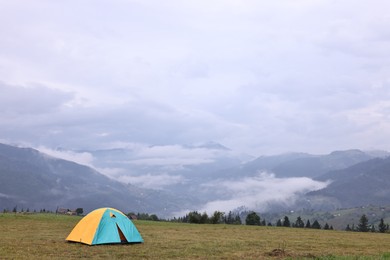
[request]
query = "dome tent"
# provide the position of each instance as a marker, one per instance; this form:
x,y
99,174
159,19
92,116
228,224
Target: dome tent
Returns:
x,y
105,226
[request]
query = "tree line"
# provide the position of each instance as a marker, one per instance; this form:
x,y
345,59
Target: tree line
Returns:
x,y
217,217
252,218
364,226
143,216
27,210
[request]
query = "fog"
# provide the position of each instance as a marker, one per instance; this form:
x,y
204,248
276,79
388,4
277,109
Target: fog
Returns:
x,y
261,192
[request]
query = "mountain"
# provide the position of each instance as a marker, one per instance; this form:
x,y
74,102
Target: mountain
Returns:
x,y
175,178
30,179
180,168
298,164
201,172
361,184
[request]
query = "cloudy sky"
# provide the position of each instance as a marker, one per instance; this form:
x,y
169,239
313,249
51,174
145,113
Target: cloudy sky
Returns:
x,y
261,77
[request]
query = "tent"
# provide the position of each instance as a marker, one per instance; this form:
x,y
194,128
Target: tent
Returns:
x,y
105,226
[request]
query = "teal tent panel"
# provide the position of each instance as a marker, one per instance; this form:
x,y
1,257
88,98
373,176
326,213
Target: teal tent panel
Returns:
x,y
129,230
107,231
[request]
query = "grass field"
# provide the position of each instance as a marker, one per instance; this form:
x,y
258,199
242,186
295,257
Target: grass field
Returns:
x,y
42,236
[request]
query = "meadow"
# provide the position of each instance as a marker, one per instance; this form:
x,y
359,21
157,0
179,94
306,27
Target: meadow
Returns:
x,y
42,236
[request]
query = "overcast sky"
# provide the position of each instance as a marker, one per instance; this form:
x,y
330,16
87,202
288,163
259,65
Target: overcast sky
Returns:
x,y
261,77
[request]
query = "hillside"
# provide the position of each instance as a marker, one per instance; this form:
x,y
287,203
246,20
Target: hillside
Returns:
x,y
30,179
300,164
361,184
218,180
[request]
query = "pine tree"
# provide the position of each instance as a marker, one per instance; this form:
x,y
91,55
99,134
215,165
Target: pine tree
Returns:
x,y
279,223
316,225
363,224
299,222
229,219
373,229
286,222
382,226
237,220
326,227
348,228
308,225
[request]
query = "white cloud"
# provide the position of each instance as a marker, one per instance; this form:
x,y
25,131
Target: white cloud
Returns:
x,y
259,192
152,181
176,155
111,172
83,158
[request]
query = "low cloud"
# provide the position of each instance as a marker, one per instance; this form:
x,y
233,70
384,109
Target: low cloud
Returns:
x,y
175,154
143,165
151,181
111,172
83,158
172,155
170,161
259,192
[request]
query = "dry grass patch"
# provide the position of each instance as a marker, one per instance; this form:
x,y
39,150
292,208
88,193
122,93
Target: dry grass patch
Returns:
x,y
43,236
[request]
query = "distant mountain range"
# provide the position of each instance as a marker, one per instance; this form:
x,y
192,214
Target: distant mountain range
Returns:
x,y
302,164
30,179
205,175
360,184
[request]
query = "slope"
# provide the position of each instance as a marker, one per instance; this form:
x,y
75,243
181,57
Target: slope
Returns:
x,y
31,179
361,184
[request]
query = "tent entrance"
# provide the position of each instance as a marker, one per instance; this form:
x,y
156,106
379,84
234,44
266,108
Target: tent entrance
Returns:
x,y
122,237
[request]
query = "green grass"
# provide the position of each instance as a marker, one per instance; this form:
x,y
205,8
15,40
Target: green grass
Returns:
x,y
42,236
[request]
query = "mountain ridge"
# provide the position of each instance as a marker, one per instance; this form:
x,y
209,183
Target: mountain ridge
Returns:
x,y
370,181
29,178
